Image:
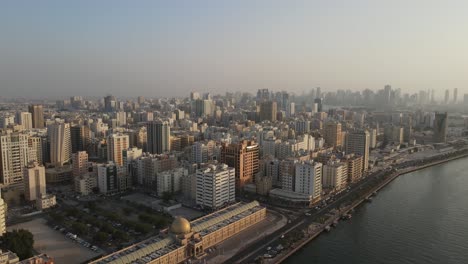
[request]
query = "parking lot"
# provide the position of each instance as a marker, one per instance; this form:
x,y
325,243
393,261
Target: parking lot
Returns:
x,y
56,244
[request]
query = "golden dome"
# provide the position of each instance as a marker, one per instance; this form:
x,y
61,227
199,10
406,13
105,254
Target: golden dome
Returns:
x,y
180,226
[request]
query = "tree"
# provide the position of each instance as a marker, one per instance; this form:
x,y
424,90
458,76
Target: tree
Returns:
x,y
101,237
79,228
19,241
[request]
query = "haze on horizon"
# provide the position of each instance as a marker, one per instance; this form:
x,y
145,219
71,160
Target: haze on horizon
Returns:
x,y
169,48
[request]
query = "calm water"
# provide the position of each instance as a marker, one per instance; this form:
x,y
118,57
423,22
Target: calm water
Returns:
x,y
421,217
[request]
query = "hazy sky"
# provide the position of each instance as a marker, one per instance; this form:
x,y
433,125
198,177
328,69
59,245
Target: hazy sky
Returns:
x,y
168,48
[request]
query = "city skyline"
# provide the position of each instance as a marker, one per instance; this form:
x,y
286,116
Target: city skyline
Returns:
x,y
169,49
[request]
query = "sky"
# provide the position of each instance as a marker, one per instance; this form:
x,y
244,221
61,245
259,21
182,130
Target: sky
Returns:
x,y
169,48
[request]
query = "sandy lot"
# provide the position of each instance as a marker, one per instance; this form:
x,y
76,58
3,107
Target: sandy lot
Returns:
x,y
54,243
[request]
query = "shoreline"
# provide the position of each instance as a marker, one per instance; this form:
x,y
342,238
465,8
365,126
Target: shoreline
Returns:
x,y
358,202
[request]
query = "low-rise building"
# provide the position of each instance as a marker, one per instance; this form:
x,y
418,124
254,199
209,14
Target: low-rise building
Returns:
x,y
46,201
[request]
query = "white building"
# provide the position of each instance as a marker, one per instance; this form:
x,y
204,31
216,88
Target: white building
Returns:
x,y
46,201
216,186
170,181
84,184
309,179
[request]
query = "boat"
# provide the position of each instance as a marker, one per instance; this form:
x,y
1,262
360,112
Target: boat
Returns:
x,y
335,223
349,216
374,193
327,228
368,199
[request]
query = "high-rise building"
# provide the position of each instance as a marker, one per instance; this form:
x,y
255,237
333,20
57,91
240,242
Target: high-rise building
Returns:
x,y
319,103
309,179
332,134
440,128
354,164
37,113
35,149
80,138
447,96
268,111
455,95
24,119
110,103
204,107
59,138
170,181
121,117
335,175
465,99
80,163
215,186
243,157
158,134
357,142
34,181
14,156
116,144
6,121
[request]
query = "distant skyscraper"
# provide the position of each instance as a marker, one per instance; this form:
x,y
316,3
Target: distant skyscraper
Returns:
x,y
318,101
158,134
59,137
110,103
455,95
34,181
116,144
14,156
318,94
447,96
268,111
465,99
357,142
440,128
24,119
244,158
263,95
37,116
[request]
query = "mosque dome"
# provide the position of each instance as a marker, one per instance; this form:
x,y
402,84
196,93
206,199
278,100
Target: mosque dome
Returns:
x,y
180,226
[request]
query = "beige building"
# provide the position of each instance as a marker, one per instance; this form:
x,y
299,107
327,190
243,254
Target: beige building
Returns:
x,y
8,257
46,201
116,144
186,240
332,134
354,164
34,181
335,176
37,114
84,184
244,158
35,149
268,111
60,143
80,163
3,210
14,156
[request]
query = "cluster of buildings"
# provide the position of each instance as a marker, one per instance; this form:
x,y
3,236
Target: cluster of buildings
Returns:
x,y
206,149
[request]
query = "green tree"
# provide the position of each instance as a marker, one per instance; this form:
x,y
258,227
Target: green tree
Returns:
x,y
19,241
79,228
101,237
